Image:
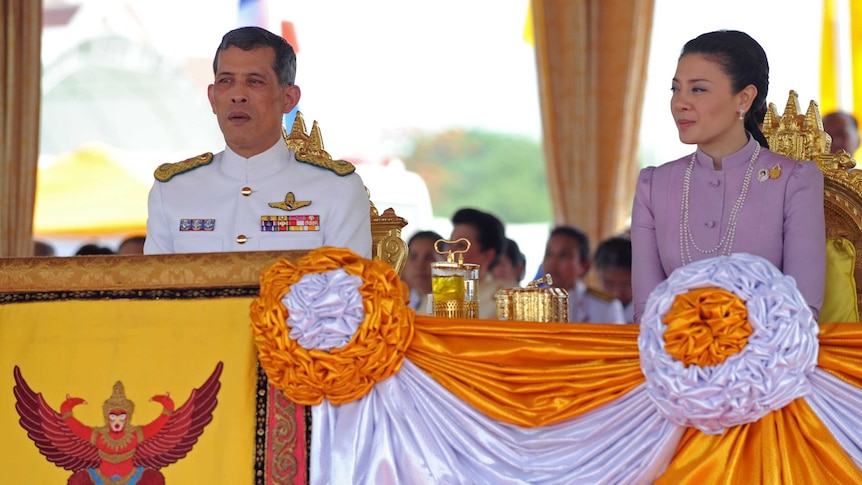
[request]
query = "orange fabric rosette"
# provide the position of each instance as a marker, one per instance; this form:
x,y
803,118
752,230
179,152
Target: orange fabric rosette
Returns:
x,y
705,326
342,374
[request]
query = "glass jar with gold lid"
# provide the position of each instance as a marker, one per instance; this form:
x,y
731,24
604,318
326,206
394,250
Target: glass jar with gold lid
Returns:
x,y
454,284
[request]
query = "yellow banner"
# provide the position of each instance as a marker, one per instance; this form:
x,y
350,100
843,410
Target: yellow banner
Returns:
x,y
829,87
81,348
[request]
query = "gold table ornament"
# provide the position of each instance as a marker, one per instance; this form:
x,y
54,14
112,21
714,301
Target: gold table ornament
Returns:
x,y
533,304
454,284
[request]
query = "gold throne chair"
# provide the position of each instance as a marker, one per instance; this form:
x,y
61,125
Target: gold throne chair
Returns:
x,y
800,136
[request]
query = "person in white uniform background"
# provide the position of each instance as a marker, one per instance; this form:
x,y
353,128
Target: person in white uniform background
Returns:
x,y
255,195
567,260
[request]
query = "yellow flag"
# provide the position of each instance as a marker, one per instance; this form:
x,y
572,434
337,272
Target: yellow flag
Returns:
x,y
829,82
856,54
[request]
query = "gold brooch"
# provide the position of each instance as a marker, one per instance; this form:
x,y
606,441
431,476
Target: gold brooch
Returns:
x,y
775,171
290,203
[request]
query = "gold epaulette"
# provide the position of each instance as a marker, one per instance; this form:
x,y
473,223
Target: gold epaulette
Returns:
x,y
601,294
166,171
309,148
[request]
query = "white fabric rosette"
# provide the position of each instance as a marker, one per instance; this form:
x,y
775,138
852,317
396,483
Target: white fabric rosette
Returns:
x,y
767,374
325,309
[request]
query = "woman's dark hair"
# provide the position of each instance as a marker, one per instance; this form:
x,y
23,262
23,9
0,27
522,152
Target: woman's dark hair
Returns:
x,y
744,61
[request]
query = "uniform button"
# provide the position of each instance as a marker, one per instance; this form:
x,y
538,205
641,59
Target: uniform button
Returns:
x,y
241,239
709,224
246,191
715,182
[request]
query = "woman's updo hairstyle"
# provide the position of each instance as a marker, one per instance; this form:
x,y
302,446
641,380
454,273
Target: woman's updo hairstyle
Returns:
x,y
744,62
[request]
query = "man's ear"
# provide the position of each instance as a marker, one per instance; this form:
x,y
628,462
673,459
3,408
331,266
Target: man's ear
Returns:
x,y
291,97
211,96
586,265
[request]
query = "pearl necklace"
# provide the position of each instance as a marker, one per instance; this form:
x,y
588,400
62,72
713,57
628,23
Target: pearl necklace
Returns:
x,y
725,244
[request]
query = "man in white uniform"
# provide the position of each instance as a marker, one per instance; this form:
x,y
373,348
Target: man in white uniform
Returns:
x,y
256,195
567,259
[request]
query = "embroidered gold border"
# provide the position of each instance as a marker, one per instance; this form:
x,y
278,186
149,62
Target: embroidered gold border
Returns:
x,y
115,272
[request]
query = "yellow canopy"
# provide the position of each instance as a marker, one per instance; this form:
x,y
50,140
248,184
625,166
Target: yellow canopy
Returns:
x,y
89,192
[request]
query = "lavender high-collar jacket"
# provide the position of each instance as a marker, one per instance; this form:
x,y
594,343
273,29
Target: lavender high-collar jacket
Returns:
x,y
781,219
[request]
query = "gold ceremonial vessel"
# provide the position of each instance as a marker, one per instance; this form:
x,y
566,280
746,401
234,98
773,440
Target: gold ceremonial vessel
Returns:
x,y
533,304
454,284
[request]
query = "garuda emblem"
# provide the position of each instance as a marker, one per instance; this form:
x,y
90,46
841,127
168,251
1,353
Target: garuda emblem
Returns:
x,y
119,451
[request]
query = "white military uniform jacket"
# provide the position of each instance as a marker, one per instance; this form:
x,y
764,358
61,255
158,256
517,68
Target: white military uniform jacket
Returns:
x,y
270,201
591,306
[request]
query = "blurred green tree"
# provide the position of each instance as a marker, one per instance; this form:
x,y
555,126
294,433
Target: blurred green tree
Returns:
x,y
500,173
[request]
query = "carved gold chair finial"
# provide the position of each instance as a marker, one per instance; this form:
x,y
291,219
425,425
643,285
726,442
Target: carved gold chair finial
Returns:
x,y
801,137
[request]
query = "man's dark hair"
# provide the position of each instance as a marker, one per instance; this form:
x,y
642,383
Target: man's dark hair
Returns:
x,y
614,252
579,236
489,230
248,38
93,249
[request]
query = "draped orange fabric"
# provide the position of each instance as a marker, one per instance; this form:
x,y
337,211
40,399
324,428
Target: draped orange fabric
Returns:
x,y
706,326
789,446
529,374
841,351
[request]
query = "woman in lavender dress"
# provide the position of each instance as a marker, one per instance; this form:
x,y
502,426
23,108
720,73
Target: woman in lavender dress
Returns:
x,y
732,194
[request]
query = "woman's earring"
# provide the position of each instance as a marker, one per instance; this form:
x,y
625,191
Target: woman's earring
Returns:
x,y
741,114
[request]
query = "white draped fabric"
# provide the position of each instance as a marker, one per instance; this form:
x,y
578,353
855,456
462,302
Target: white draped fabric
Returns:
x,y
836,403
410,429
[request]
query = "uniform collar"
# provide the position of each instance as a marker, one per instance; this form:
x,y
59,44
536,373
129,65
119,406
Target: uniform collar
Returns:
x,y
262,165
579,289
732,161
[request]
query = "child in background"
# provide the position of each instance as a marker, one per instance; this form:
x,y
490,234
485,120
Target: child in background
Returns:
x,y
613,263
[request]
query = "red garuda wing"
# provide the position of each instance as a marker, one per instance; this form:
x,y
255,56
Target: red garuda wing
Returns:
x,y
182,430
49,430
